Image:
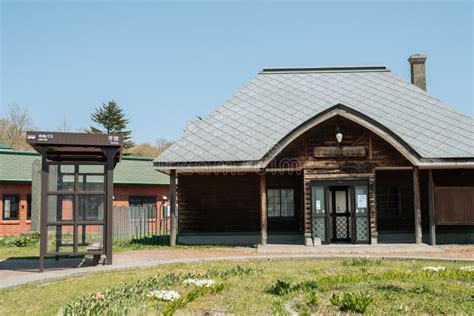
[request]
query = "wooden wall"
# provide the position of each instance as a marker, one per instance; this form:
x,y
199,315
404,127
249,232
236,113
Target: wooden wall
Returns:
x,y
457,212
379,153
231,203
454,205
218,203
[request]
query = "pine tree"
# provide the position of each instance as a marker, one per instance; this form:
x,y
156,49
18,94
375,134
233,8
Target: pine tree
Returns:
x,y
113,121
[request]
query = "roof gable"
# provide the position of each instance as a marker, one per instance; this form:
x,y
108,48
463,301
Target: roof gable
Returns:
x,y
274,103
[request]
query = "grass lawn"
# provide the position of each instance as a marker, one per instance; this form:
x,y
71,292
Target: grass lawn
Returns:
x,y
258,287
32,250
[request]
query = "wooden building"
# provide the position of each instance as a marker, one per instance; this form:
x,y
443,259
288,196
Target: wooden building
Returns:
x,y
326,155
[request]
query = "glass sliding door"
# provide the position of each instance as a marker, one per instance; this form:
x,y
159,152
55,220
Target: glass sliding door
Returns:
x,y
75,209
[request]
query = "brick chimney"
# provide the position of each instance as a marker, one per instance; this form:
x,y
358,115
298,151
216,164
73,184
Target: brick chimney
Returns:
x,y
418,73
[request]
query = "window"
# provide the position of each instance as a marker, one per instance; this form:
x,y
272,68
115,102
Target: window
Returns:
x,y
147,201
142,200
280,203
91,207
388,202
11,205
28,207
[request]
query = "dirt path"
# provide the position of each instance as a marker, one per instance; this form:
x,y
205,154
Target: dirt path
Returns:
x,y
14,272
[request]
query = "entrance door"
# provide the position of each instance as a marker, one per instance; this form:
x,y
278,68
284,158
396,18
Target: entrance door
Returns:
x,y
341,219
340,211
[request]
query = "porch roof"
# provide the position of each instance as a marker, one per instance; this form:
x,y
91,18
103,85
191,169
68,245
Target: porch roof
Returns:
x,y
278,101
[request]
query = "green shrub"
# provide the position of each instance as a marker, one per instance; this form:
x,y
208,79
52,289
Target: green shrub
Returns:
x,y
310,285
280,288
21,241
351,302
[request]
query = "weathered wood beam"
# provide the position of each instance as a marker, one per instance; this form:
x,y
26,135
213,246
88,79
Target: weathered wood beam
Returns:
x,y
173,218
431,193
334,151
417,204
358,140
263,209
370,146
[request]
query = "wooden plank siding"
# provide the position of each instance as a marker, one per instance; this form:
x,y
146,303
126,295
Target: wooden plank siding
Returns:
x,y
454,205
231,203
445,178
219,203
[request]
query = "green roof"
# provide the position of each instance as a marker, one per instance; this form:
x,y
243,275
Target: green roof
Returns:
x,y
15,166
138,170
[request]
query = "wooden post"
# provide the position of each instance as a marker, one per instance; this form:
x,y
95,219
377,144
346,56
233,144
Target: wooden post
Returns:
x,y
417,204
431,187
370,147
173,218
43,211
263,209
109,189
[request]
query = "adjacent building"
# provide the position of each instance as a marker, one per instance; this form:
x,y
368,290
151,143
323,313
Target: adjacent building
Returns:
x,y
136,183
326,155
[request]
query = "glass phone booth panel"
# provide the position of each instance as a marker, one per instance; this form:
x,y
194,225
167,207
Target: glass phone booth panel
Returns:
x,y
75,208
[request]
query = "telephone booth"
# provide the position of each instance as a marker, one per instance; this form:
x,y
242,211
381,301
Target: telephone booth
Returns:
x,y
76,193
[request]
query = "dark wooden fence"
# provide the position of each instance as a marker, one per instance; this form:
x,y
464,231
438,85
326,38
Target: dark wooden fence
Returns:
x,y
135,223
454,205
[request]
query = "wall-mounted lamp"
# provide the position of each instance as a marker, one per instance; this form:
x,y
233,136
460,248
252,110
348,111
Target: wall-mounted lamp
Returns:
x,y
164,197
339,136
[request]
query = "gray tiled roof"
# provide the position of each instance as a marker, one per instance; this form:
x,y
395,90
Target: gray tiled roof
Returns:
x,y
276,102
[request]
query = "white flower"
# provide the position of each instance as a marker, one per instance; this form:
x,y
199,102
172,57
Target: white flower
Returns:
x,y
200,282
434,269
165,295
467,268
99,297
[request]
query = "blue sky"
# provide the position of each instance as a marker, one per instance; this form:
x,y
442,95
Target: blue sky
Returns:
x,y
165,63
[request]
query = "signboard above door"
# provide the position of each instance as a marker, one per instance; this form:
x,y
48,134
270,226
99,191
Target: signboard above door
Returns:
x,y
343,151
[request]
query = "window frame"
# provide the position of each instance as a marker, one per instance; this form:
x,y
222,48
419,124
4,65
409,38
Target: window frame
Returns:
x,y
28,207
17,195
280,189
152,213
141,197
382,193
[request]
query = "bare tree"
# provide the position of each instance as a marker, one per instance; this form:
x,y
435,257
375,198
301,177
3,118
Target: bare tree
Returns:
x,y
148,150
64,127
163,144
13,127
